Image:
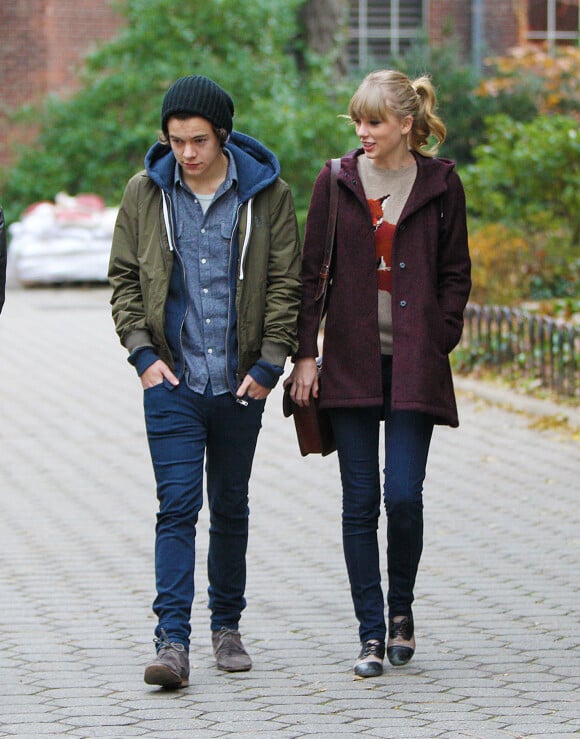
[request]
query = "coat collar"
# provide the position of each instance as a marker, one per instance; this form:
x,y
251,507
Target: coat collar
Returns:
x,y
431,182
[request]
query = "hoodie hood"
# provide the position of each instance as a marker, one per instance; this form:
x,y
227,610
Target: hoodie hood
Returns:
x,y
257,166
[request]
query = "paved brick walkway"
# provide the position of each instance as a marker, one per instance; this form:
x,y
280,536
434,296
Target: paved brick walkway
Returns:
x,y
497,594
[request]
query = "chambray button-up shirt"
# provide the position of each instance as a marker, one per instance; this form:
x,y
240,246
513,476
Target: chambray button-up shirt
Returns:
x,y
203,246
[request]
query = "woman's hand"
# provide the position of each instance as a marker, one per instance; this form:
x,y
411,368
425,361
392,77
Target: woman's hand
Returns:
x,y
304,381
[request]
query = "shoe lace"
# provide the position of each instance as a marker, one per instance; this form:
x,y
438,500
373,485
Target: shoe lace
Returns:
x,y
402,629
164,643
371,648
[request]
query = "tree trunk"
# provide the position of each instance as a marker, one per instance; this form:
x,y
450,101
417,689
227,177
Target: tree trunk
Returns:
x,y
325,27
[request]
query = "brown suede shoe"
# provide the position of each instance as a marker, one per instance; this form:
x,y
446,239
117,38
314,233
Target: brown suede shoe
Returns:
x,y
170,668
229,651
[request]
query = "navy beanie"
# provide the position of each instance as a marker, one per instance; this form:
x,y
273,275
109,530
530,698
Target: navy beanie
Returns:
x,y
198,95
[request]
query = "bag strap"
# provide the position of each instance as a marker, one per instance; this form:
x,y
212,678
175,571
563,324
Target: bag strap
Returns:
x,y
330,231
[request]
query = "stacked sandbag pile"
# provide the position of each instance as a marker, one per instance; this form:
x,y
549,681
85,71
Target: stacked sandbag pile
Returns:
x,y
65,241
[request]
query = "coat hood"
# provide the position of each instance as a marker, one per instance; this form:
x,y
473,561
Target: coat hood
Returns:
x,y
434,173
257,166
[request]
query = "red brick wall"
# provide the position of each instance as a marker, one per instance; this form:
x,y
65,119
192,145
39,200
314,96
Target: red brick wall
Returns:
x,y
23,51
73,29
42,44
504,25
450,19
501,27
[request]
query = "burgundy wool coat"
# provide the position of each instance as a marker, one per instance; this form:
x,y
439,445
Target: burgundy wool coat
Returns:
x,y
430,287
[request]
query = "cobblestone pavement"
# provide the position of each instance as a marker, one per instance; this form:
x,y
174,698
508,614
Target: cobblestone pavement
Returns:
x,y
497,593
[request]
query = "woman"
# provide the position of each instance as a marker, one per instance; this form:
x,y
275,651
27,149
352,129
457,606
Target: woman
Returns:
x,y
400,282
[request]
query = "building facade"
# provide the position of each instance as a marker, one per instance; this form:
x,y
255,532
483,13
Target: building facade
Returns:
x,y
43,42
382,28
42,45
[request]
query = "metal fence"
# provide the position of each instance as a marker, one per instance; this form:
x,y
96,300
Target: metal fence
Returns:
x,y
522,346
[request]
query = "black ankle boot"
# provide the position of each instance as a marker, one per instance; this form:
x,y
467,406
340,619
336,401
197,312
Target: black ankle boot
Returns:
x,y
400,630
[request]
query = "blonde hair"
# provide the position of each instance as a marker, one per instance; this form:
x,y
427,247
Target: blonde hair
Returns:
x,y
388,92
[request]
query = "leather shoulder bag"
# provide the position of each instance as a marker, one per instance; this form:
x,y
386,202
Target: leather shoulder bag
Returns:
x,y
313,428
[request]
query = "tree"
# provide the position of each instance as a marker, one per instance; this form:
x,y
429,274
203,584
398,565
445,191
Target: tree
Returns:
x,y
524,200
527,174
324,28
97,139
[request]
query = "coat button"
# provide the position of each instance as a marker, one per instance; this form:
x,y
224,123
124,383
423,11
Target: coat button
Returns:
x,y
402,265
403,303
402,227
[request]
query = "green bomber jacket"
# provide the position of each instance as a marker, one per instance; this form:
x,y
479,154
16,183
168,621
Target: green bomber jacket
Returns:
x,y
266,248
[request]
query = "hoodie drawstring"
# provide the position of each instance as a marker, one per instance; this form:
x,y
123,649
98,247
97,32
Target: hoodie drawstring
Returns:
x,y
166,218
246,237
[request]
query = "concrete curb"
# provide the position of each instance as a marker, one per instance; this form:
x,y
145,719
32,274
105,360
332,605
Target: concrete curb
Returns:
x,y
512,400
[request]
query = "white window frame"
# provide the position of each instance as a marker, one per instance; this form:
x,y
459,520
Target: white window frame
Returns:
x,y
393,33
551,35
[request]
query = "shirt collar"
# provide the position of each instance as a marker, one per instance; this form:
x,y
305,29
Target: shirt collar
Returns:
x,y
231,179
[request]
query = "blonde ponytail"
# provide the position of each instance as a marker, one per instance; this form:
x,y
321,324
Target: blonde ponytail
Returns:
x,y
426,122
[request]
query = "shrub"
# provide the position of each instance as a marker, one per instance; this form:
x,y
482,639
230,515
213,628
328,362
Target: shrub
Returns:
x,y
499,265
526,175
551,80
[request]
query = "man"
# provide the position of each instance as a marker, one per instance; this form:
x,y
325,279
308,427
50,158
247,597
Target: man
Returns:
x,y
205,269
3,258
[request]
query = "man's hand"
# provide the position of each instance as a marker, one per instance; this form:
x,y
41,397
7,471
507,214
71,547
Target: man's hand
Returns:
x,y
156,373
252,389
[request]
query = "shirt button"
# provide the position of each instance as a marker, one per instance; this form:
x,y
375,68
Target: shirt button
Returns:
x,y
205,290
402,265
210,351
208,320
204,260
403,303
203,230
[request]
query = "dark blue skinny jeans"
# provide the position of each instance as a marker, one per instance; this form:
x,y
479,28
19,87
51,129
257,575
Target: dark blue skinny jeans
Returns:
x,y
407,440
183,428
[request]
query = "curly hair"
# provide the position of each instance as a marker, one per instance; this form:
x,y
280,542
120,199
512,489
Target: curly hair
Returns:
x,y
163,136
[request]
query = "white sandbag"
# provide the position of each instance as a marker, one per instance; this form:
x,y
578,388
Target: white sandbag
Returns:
x,y
65,241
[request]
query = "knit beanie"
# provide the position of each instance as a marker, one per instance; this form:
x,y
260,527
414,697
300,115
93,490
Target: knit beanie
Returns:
x,y
198,95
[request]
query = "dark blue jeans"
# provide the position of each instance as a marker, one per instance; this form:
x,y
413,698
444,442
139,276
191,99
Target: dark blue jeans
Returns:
x,y
407,440
183,428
